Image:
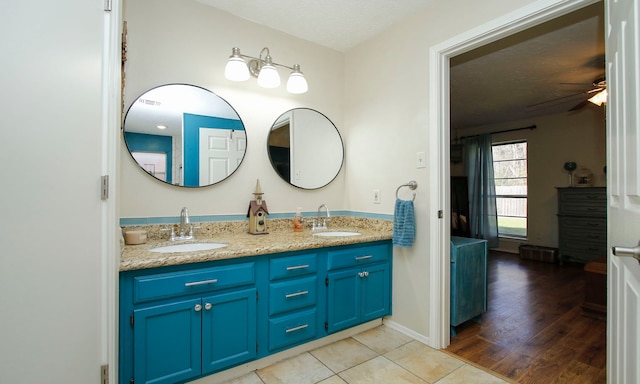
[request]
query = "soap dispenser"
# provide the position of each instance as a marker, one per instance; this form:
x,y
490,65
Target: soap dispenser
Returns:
x,y
297,220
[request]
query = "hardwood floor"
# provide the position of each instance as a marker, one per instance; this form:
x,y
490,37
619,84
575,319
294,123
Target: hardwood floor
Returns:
x,y
534,330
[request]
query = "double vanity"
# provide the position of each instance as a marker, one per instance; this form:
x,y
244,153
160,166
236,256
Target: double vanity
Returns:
x,y
199,300
195,312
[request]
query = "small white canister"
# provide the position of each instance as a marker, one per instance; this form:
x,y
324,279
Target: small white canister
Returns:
x,y
135,237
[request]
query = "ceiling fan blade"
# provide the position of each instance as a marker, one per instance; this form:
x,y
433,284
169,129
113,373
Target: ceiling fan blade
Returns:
x,y
574,95
580,105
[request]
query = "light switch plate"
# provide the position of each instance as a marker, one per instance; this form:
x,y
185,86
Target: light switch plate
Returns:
x,y
376,196
421,161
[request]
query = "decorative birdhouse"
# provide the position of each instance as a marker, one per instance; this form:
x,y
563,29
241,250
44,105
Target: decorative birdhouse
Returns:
x,y
258,213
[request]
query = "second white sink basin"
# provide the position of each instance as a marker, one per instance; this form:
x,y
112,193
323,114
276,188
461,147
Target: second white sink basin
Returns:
x,y
190,247
336,233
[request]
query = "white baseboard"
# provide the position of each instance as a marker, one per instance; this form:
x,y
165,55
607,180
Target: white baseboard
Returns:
x,y
402,329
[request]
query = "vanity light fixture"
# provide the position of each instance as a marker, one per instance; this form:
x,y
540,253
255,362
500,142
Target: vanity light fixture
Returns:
x,y
265,70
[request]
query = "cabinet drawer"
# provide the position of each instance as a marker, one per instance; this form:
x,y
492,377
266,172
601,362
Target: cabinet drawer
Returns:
x,y
164,285
590,224
292,266
357,256
291,295
590,202
292,329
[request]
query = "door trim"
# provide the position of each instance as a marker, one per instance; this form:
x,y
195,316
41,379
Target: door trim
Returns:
x,y
439,139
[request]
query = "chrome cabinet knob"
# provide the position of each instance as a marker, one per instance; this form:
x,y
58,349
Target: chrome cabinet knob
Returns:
x,y
208,306
198,308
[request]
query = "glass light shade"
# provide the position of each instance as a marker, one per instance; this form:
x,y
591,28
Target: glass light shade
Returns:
x,y
236,69
268,77
599,98
297,83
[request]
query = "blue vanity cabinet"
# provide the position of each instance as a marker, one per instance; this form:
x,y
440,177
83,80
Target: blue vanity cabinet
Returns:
x,y
358,285
294,289
180,324
468,280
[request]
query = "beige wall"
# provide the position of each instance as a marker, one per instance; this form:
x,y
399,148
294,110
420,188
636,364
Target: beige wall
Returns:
x,y
194,49
573,136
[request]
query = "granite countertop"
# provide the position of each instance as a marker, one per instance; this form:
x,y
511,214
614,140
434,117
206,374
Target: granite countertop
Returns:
x,y
281,238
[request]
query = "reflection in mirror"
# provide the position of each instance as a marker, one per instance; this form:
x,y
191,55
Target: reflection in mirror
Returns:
x,y
305,148
185,135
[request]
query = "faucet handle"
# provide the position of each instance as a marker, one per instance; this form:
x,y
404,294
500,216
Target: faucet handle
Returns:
x,y
172,236
191,228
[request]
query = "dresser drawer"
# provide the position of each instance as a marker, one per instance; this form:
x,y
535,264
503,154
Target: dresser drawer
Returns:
x,y
357,256
591,224
164,285
293,266
292,329
292,294
583,202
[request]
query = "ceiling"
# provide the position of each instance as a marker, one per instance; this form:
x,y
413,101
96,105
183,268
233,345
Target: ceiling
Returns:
x,y
337,24
511,79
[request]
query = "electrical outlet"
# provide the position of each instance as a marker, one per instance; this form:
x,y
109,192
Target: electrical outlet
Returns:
x,y
376,196
421,161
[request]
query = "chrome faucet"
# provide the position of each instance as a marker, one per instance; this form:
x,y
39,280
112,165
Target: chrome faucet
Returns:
x,y
317,223
184,221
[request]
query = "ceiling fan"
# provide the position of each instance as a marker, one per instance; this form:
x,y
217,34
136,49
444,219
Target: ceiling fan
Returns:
x,y
597,94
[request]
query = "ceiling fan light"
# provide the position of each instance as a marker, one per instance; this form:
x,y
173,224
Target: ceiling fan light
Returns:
x,y
599,98
297,84
236,68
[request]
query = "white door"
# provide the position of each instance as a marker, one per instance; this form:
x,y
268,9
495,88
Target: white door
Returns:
x,y
623,185
221,151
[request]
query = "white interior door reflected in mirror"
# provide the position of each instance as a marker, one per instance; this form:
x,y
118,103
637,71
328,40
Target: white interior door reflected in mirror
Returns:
x,y
305,148
221,152
170,120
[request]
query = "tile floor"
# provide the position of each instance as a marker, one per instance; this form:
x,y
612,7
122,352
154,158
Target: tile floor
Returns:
x,y
379,355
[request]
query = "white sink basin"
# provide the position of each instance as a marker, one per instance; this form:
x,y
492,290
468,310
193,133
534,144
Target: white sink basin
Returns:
x,y
190,247
336,233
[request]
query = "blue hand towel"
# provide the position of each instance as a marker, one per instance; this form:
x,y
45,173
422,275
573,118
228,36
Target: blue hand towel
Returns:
x,y
404,224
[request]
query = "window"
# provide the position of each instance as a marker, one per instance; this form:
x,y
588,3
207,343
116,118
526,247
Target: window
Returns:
x,y
510,173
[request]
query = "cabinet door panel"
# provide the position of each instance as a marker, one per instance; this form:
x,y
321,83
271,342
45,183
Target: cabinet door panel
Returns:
x,y
375,292
167,343
228,329
344,299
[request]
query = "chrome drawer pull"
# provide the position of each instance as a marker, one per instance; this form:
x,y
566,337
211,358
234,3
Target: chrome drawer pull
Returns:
x,y
297,267
299,327
203,282
363,257
296,294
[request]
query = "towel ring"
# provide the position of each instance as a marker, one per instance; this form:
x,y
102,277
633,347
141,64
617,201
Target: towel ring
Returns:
x,y
412,184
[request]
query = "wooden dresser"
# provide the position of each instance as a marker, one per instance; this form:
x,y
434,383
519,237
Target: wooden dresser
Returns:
x,y
582,223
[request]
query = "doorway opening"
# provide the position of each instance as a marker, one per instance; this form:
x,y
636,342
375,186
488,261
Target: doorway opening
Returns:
x,y
440,136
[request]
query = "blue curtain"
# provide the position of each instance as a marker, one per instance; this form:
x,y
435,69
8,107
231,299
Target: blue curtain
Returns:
x,y
483,216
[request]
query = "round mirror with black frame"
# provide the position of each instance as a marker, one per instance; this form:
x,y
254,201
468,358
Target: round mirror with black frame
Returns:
x,y
305,148
184,135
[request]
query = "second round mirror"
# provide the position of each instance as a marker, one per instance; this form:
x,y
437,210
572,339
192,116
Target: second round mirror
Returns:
x,y
305,148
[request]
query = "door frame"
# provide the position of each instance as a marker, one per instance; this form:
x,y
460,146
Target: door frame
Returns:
x,y
439,140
